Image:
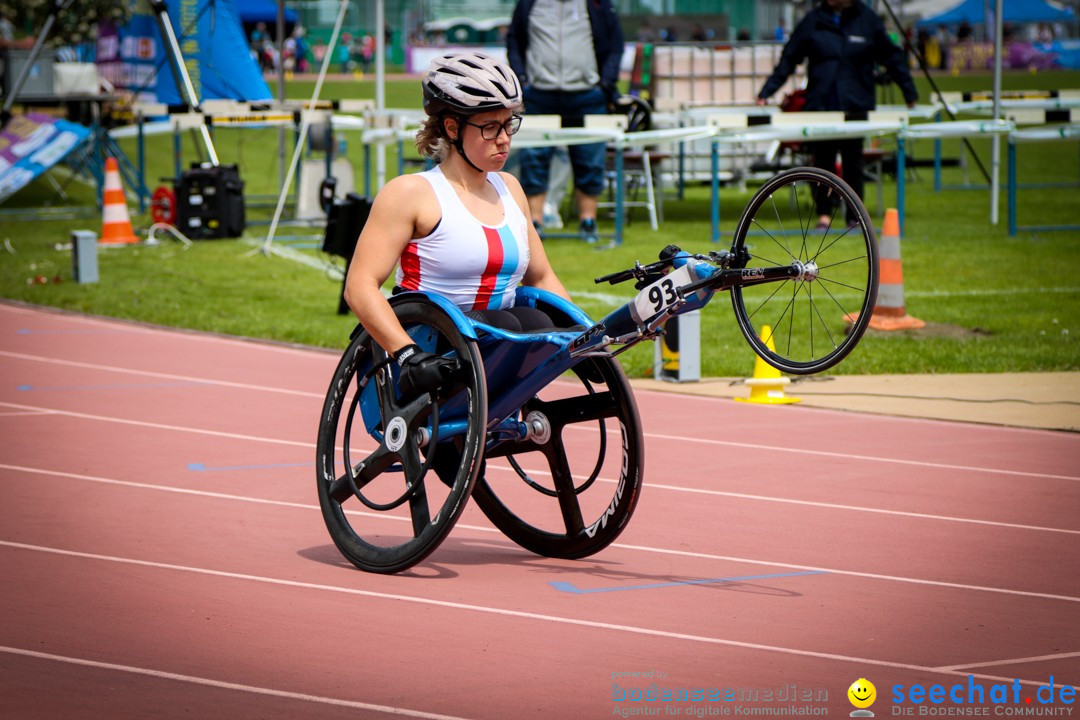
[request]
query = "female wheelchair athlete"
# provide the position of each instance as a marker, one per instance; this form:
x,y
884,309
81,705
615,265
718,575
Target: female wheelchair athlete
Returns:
x,y
394,472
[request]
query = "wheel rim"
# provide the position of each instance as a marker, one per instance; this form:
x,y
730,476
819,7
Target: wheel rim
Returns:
x,y
568,502
811,321
382,506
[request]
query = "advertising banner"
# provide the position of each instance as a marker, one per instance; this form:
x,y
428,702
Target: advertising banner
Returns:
x,y
31,144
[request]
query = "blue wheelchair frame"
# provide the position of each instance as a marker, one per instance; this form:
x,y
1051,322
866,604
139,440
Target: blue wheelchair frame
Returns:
x,y
492,407
520,365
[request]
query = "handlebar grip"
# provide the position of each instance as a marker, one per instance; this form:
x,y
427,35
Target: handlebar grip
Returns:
x,y
617,277
669,252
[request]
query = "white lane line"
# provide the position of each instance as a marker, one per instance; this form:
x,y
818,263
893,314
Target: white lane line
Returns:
x,y
813,503
332,271
658,436
867,416
162,675
166,376
1012,661
858,508
488,610
261,345
635,548
990,293
852,456
27,413
850,573
162,426
658,486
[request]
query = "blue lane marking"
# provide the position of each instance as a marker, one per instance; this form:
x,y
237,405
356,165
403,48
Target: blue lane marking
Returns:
x,y
571,588
111,386
200,467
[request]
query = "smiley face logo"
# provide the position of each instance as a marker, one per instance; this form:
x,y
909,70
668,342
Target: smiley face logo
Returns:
x,y
862,693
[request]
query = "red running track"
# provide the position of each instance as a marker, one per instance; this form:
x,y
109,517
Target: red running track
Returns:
x,y
163,556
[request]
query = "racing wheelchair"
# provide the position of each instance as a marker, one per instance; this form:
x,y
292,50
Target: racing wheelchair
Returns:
x,y
394,472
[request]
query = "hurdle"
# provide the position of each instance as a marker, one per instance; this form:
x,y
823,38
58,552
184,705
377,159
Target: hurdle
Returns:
x,y
1047,133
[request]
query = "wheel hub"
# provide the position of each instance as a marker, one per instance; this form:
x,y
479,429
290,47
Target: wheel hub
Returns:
x,y
808,271
539,427
396,432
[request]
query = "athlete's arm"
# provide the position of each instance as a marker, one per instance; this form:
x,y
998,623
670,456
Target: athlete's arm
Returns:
x,y
392,223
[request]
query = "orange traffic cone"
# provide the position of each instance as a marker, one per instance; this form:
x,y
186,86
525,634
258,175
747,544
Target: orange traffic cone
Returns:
x,y
890,313
767,385
115,222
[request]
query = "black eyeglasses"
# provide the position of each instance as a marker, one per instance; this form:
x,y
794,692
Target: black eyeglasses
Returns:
x,y
490,131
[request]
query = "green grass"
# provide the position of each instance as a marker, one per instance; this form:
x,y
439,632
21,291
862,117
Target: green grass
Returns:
x,y
995,303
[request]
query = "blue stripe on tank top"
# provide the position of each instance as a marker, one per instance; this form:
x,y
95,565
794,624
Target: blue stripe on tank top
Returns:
x,y
509,266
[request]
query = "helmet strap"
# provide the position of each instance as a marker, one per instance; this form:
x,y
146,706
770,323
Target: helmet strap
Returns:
x,y
457,143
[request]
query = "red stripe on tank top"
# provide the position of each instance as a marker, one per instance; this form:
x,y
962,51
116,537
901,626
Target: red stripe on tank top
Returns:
x,y
410,267
491,272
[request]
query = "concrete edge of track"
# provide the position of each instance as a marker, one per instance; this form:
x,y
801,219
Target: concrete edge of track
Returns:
x,y
1047,401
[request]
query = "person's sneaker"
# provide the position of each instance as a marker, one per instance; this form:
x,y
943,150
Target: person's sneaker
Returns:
x,y
588,230
539,227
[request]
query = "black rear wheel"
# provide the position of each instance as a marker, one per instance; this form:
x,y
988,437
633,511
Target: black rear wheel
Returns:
x,y
569,490
807,323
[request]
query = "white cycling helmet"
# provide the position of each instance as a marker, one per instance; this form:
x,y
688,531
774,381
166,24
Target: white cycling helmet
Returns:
x,y
469,83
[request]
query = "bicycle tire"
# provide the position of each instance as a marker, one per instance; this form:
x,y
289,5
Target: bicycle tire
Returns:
x,y
841,259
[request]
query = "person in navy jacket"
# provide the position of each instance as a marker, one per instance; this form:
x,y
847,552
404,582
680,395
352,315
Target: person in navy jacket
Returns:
x,y
842,41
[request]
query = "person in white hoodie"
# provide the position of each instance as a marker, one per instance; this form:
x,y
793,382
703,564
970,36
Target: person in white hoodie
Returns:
x,y
566,53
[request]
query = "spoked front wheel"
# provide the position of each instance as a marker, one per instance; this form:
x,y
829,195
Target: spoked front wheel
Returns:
x,y
812,320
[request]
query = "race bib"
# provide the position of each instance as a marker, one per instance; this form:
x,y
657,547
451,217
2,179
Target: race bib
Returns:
x,y
660,295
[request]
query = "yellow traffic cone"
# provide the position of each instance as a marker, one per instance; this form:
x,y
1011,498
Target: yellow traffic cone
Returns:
x,y
767,385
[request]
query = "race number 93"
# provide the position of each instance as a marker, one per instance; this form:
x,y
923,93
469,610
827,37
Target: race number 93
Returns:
x,y
660,295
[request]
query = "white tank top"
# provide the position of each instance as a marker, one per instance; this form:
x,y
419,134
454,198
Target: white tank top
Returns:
x,y
476,266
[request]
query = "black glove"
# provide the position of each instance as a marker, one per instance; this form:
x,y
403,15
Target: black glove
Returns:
x,y
422,371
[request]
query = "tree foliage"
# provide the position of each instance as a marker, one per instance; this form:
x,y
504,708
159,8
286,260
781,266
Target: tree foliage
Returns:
x,y
76,22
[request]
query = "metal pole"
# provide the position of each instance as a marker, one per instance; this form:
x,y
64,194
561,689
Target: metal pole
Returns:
x,y
281,91
714,196
1012,187
930,79
380,86
141,147
180,73
995,147
305,125
13,91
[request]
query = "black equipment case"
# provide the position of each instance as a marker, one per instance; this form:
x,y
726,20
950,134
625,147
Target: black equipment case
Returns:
x,y
210,202
344,221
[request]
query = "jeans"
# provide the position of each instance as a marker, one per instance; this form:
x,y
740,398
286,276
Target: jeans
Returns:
x,y
587,161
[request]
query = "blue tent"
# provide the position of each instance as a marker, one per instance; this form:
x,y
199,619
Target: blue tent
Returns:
x,y
973,12
256,11
215,51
